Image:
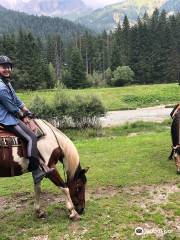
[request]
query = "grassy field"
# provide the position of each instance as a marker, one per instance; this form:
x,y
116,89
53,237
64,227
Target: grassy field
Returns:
x,y
120,98
130,184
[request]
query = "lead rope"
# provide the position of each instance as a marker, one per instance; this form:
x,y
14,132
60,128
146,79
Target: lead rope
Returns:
x,y
65,176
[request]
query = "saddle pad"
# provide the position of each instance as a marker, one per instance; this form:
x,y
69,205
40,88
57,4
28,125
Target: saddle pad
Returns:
x,y
9,141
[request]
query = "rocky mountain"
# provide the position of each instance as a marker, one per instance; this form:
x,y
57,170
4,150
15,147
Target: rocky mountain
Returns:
x,y
58,8
109,16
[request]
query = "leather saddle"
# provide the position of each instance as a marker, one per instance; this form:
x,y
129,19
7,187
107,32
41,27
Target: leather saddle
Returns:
x,y
12,146
8,138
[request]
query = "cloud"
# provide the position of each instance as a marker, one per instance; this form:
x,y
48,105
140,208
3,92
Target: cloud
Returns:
x,y
100,3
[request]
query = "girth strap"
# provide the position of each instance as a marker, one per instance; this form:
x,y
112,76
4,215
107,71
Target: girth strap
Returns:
x,y
11,159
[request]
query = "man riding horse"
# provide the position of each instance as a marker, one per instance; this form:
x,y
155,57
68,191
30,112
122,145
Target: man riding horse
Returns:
x,y
12,110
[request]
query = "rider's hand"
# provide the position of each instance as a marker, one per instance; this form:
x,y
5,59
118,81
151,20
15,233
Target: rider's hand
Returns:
x,y
29,114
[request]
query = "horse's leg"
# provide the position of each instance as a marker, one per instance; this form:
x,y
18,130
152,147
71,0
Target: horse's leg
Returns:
x,y
69,204
58,181
171,155
38,211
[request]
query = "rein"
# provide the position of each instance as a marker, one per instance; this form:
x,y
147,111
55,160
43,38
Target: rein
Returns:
x,y
65,176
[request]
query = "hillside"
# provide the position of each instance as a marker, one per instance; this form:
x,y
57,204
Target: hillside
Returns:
x,y
12,21
109,16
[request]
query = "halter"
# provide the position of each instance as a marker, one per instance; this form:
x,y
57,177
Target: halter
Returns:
x,y
65,175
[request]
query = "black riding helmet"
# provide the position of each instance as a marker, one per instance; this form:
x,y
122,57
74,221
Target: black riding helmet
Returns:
x,y
5,60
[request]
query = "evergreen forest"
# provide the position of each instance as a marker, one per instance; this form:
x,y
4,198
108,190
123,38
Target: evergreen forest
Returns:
x,y
145,53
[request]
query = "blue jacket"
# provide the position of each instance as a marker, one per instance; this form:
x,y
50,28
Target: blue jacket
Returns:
x,y
10,104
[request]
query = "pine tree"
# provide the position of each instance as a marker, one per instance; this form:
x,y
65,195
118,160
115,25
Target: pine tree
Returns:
x,y
125,41
77,70
88,53
55,55
28,60
116,59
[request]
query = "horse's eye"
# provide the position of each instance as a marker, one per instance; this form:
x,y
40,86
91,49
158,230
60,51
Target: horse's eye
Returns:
x,y
78,189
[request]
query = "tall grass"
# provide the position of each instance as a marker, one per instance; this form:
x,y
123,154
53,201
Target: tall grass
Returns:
x,y
129,97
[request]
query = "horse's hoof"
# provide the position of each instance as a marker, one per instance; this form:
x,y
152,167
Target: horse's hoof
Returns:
x,y
178,172
41,214
75,217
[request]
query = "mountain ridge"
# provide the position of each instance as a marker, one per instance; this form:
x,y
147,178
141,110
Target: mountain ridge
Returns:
x,y
41,26
53,8
108,17
105,18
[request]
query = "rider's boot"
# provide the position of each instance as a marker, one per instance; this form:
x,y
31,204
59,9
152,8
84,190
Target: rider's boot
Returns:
x,y
38,174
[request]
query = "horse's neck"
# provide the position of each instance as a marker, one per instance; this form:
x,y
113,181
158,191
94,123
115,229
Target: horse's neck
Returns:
x,y
57,139
71,156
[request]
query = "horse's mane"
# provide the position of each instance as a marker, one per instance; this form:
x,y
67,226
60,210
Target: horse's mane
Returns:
x,y
71,156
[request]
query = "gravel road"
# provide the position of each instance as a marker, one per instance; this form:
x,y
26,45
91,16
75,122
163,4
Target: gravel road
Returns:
x,y
155,114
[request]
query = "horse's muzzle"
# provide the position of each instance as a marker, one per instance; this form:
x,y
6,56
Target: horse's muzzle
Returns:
x,y
80,210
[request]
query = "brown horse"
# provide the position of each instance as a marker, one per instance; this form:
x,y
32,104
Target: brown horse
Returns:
x,y
53,147
175,134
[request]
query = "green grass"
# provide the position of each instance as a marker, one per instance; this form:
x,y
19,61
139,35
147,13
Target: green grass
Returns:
x,y
129,97
135,128
128,160
117,161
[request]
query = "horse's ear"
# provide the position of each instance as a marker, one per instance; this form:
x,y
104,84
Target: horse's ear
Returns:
x,y
83,171
86,169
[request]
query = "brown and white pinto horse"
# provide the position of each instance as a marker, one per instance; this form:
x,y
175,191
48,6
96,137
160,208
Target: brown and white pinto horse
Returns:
x,y
175,134
53,147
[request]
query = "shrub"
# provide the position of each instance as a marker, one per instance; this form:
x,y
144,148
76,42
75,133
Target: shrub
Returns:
x,y
68,112
86,111
96,80
40,108
122,76
108,76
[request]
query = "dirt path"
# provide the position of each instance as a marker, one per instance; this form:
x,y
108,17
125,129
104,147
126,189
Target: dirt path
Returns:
x,y
155,114
151,198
